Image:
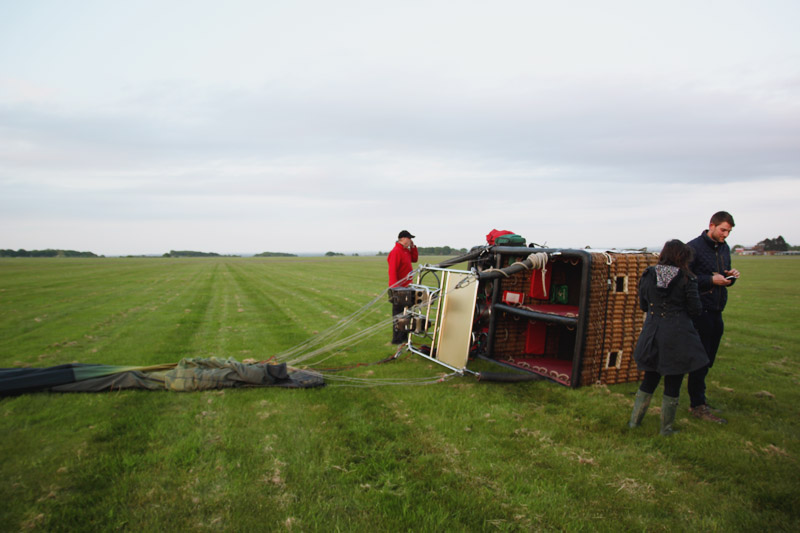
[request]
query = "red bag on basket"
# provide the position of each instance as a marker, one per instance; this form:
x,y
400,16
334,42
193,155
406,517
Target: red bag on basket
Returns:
x,y
495,233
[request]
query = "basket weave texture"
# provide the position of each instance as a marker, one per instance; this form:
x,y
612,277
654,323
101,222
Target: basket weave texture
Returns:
x,y
615,320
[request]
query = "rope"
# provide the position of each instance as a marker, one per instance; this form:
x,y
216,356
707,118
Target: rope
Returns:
x,y
359,365
327,342
493,269
539,261
348,381
322,337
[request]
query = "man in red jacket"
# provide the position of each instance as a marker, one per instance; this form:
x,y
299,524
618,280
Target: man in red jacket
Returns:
x,y
400,259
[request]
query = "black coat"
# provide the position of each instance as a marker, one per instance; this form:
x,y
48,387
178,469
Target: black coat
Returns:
x,y
710,257
669,343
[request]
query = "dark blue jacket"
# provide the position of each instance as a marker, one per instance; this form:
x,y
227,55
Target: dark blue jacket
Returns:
x,y
710,257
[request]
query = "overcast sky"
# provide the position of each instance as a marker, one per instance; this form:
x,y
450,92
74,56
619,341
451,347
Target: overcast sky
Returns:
x,y
307,126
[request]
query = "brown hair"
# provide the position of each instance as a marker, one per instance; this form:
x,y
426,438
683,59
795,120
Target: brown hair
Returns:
x,y
678,254
722,216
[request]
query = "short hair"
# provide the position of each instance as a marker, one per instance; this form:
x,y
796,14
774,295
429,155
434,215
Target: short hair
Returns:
x,y
676,253
722,216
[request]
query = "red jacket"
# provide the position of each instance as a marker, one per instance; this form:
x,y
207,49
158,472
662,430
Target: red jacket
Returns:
x,y
400,260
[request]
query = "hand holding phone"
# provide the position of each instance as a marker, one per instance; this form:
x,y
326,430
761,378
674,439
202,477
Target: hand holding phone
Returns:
x,y
731,274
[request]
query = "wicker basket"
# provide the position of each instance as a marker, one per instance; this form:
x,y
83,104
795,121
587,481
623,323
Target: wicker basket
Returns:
x,y
610,327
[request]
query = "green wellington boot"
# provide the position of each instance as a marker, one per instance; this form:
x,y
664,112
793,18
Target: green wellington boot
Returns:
x,y
669,406
640,405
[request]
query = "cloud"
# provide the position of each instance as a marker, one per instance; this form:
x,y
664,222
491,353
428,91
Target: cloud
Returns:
x,y
632,132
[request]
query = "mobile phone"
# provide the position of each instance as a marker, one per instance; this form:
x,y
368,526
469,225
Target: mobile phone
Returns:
x,y
730,277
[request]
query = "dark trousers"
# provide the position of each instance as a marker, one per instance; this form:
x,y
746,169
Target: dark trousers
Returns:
x,y
672,384
398,337
710,327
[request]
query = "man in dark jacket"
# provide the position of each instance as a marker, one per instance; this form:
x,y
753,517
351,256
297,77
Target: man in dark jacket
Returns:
x,y
712,266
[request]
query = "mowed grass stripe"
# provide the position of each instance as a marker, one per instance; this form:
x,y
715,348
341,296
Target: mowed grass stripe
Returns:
x,y
270,309
137,335
85,310
52,305
294,310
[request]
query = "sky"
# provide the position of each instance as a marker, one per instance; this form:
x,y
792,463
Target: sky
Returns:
x,y
312,126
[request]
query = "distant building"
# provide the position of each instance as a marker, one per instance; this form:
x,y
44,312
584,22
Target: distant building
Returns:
x,y
748,251
759,250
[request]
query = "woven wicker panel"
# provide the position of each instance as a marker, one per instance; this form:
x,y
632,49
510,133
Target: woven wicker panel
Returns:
x,y
622,302
552,341
510,332
510,335
519,282
620,319
593,356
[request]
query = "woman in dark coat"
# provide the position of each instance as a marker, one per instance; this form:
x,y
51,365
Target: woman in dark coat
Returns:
x,y
669,345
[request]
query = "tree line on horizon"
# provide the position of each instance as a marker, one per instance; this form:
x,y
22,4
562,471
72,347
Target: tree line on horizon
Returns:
x,y
45,253
435,250
777,244
274,254
191,253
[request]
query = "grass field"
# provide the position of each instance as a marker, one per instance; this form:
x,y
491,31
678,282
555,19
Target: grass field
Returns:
x,y
455,456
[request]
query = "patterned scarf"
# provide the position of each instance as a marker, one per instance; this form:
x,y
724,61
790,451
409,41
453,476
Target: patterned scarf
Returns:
x,y
665,274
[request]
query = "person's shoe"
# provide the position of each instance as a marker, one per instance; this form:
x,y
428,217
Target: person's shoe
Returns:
x,y
669,407
704,412
640,405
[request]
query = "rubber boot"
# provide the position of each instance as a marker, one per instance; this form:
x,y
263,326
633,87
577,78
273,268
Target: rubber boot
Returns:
x,y
669,406
640,405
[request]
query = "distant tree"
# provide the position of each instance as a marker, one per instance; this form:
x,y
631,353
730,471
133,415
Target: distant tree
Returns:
x,y
275,254
440,250
332,254
190,253
777,244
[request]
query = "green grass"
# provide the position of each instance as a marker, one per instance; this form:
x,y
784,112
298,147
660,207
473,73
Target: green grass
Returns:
x,y
460,455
